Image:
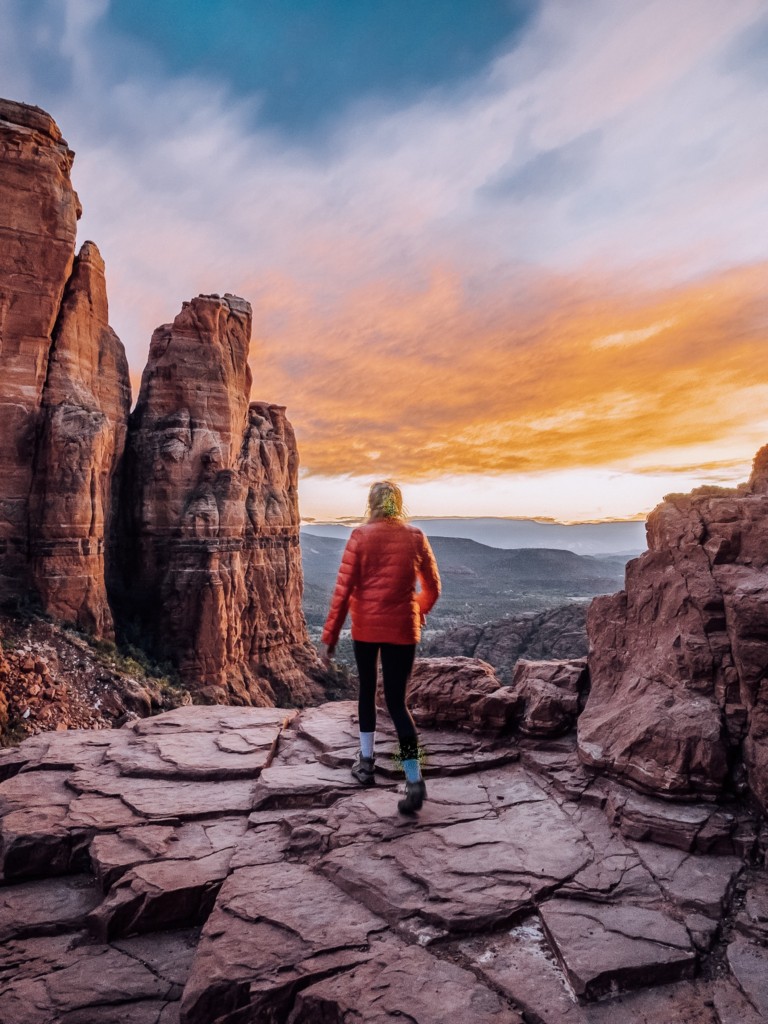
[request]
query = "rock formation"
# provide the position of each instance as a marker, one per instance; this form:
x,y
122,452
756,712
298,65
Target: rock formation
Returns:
x,y
528,889
210,574
80,440
210,531
679,659
38,218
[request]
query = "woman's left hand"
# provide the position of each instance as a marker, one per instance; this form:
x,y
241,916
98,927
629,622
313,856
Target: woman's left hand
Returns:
x,y
330,650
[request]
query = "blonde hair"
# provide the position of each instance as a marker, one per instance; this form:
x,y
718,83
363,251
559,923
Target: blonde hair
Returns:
x,y
385,501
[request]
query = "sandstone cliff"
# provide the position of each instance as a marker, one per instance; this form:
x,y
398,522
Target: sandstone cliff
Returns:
x,y
38,219
679,659
212,569
210,574
81,435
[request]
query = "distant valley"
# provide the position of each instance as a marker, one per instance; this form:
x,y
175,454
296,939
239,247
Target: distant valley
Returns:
x,y
481,584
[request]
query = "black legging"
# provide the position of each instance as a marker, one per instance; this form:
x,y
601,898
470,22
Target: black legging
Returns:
x,y
396,665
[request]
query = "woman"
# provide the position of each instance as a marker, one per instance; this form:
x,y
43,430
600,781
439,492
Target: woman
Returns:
x,y
381,563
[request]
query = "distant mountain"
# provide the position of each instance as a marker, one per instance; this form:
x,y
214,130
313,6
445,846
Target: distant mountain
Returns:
x,y
625,537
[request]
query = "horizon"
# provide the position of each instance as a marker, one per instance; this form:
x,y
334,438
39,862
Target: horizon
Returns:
x,y
348,520
514,260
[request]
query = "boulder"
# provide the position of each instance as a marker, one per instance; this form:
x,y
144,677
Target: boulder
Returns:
x,y
451,691
549,694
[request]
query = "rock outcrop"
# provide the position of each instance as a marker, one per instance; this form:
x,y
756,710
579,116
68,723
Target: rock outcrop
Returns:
x,y
679,659
38,219
81,434
219,865
210,530
209,576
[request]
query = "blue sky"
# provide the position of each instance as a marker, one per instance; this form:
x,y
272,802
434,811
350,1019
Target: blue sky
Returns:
x,y
511,253
307,62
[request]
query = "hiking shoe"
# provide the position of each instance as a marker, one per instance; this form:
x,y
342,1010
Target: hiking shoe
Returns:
x,y
363,770
415,795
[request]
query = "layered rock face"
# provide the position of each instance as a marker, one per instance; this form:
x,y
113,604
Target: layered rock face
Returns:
x,y
679,659
81,436
210,572
38,218
211,525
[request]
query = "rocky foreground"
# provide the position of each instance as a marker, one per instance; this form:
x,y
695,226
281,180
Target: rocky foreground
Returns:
x,y
219,864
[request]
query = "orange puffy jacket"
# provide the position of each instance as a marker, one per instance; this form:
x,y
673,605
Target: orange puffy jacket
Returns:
x,y
377,584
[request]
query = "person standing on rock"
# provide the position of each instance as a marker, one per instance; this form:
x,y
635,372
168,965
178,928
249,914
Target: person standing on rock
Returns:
x,y
382,562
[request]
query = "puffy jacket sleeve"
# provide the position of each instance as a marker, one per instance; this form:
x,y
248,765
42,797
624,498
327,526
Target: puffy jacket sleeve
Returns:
x,y
345,584
429,578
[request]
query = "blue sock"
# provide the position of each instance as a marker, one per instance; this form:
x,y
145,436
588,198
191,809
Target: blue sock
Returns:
x,y
412,769
367,740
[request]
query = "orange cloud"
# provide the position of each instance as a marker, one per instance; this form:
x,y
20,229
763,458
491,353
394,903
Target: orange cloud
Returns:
x,y
549,374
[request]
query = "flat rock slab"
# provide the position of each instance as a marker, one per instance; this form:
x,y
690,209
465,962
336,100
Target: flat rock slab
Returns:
x,y
615,872
332,730
73,750
69,979
749,964
114,853
370,815
732,1005
607,948
222,718
155,798
198,755
301,785
469,875
47,906
232,743
275,928
520,964
400,983
695,883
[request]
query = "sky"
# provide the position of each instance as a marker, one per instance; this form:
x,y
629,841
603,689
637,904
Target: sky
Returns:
x,y
512,254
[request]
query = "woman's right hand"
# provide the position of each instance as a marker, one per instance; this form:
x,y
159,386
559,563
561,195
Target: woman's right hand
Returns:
x,y
327,658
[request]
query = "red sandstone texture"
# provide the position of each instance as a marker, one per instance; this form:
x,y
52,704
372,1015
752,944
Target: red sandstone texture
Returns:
x,y
528,889
38,218
211,523
81,436
679,659
210,573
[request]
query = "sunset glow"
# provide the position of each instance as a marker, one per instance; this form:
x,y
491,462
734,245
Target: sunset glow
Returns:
x,y
524,272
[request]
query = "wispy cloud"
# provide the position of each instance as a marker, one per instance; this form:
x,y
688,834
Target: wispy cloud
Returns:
x,y
558,262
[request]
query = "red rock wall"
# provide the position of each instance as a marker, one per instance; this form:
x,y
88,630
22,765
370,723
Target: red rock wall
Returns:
x,y
212,573
38,218
679,659
81,436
